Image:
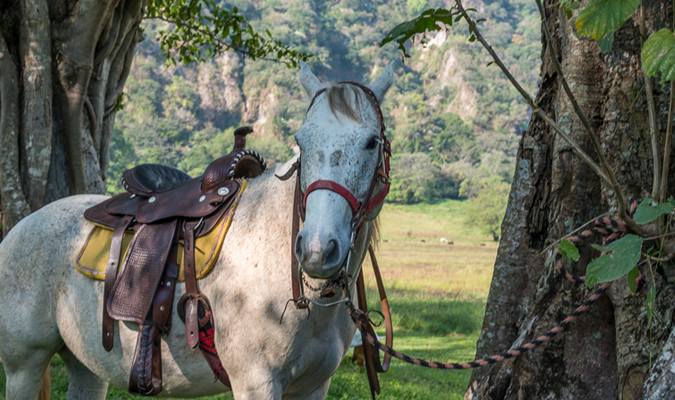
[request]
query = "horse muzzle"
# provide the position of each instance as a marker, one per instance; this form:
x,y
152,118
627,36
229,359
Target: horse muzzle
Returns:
x,y
320,256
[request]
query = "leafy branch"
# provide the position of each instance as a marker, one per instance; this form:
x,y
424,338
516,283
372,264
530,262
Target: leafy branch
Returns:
x,y
537,110
428,21
202,29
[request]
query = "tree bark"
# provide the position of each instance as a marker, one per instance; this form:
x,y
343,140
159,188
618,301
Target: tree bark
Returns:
x,y
63,64
15,207
605,354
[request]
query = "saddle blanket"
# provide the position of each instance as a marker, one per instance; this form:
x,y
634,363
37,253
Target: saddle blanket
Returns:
x,y
92,259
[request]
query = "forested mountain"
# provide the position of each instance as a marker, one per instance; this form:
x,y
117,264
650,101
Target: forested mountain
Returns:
x,y
454,122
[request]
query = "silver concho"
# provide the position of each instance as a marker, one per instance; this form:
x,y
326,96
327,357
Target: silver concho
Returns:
x,y
152,199
202,198
223,191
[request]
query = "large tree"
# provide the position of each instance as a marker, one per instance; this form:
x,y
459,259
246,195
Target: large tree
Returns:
x,y
63,66
609,352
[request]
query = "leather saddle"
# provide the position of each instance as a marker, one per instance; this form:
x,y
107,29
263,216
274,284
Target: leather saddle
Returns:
x,y
162,206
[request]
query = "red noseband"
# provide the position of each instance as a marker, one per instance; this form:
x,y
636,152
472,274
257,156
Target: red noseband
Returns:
x,y
344,192
335,187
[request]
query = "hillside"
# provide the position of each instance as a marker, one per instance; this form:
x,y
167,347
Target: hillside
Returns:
x,y
453,121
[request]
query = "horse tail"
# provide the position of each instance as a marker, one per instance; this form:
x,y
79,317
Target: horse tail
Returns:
x,y
46,389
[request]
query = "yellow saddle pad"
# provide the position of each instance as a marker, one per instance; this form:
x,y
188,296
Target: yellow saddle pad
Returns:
x,y
92,259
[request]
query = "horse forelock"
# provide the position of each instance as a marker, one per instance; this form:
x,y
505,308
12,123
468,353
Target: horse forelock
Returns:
x,y
346,99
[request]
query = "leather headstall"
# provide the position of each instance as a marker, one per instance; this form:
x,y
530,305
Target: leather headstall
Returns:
x,y
360,211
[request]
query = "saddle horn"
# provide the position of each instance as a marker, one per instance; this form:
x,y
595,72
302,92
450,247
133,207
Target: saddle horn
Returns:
x,y
240,137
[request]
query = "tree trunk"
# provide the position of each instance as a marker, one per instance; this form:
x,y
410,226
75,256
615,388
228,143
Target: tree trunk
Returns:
x,y
63,65
605,354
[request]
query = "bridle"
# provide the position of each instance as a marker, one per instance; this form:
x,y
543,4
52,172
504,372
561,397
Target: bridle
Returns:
x,y
360,209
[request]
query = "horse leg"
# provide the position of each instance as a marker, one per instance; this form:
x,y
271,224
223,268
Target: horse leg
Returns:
x,y
24,376
317,394
82,383
320,392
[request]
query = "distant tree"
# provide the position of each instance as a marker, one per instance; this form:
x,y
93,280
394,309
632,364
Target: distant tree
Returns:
x,y
411,175
487,209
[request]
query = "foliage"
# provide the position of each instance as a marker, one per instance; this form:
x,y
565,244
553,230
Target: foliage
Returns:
x,y
569,6
444,103
658,55
601,17
568,250
624,256
122,157
646,213
632,279
411,176
487,209
428,21
202,28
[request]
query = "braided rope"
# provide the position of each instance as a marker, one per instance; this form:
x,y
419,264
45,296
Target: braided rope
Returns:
x,y
602,227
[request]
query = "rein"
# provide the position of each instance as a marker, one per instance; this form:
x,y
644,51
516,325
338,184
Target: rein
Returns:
x,y
609,228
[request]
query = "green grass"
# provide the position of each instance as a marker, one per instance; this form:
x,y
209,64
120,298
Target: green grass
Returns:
x,y
437,294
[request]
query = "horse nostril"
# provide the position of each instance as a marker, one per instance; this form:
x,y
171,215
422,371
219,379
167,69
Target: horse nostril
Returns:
x,y
332,254
299,253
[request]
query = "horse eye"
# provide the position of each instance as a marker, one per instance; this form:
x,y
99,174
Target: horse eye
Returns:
x,y
373,143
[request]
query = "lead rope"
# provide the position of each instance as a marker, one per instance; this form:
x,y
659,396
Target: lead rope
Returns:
x,y
612,234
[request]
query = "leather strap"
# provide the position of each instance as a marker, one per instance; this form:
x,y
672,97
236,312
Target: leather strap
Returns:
x,y
192,304
146,371
335,187
145,378
295,264
199,331
371,353
378,199
110,277
368,352
386,312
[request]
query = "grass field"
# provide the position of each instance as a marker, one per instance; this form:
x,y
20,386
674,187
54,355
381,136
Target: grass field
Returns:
x,y
437,294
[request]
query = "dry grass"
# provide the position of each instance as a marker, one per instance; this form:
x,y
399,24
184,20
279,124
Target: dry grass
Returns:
x,y
411,255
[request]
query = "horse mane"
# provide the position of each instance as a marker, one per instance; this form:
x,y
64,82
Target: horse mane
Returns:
x,y
340,101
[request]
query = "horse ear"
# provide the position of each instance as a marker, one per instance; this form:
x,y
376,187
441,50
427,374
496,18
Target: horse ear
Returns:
x,y
383,82
309,81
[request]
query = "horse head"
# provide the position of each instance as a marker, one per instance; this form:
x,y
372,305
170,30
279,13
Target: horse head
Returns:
x,y
342,147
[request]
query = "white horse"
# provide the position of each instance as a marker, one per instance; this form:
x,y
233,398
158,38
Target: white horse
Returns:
x,y
49,308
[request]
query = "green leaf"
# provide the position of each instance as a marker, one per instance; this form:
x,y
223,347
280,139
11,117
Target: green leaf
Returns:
x,y
646,213
426,22
606,42
568,6
658,55
624,256
632,276
568,250
603,16
651,299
